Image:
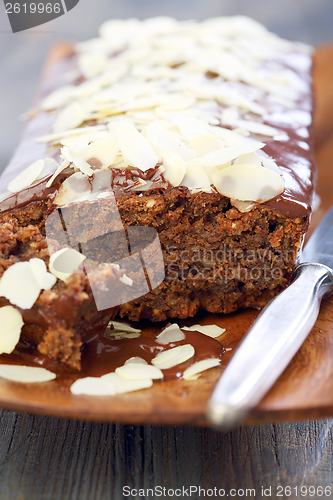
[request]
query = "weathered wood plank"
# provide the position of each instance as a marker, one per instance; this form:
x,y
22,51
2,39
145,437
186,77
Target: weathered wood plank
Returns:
x,y
54,459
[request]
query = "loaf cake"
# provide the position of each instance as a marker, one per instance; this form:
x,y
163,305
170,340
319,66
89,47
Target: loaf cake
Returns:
x,y
200,132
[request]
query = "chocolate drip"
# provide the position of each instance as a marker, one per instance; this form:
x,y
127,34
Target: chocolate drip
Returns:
x,y
101,355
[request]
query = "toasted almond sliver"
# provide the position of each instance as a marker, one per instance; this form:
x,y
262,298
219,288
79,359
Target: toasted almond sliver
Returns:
x,y
121,386
27,177
135,147
92,386
65,262
139,371
136,359
11,324
173,357
170,334
200,367
26,374
209,330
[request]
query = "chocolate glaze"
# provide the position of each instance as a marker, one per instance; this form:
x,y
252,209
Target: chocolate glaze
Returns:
x,y
36,192
101,355
295,161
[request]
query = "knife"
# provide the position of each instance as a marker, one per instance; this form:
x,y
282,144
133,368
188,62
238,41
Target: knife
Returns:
x,y
277,334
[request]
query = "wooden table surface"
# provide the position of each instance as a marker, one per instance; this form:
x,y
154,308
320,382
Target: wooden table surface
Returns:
x,y
52,458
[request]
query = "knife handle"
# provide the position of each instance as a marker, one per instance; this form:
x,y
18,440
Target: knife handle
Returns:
x,y
269,345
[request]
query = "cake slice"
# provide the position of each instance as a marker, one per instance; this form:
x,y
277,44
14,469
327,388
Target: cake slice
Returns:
x,y
201,132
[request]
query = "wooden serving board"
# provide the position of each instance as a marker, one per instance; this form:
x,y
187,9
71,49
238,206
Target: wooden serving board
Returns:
x,y
305,389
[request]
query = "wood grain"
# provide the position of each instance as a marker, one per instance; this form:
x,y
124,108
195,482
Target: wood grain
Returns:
x,y
304,390
53,459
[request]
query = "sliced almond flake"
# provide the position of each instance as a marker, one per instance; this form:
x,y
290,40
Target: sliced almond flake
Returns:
x,y
252,158
61,167
147,102
70,117
27,177
175,168
122,386
173,357
229,116
120,335
195,177
243,206
270,163
205,144
78,144
200,367
11,324
105,150
224,155
92,386
56,137
136,359
26,374
139,371
212,170
50,166
170,334
75,187
92,64
59,98
5,195
77,159
209,330
86,138
135,147
65,262
257,128
45,280
19,285
123,327
126,280
179,103
248,182
163,137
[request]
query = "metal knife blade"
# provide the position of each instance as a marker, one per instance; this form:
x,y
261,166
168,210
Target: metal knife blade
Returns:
x,y
277,334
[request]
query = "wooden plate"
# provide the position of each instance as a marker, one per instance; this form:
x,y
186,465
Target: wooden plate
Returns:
x,y
304,390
